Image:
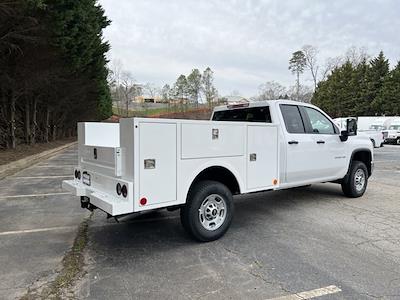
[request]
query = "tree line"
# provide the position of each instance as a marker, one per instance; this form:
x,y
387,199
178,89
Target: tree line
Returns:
x,y
192,89
360,88
52,69
353,84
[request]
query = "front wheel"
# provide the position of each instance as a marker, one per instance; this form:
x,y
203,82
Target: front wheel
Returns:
x,y
355,182
208,212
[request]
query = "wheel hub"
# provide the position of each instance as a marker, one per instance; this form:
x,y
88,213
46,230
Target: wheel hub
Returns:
x,y
212,212
359,179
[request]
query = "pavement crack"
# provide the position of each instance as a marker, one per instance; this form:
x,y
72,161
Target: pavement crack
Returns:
x,y
72,268
249,270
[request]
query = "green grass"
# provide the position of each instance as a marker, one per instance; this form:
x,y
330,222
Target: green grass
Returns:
x,y
141,113
152,111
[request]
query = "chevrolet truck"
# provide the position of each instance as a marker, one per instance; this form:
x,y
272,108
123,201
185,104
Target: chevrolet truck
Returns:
x,y
196,166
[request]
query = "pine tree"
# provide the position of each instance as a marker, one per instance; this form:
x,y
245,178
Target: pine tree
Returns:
x,y
77,32
375,78
359,84
388,100
336,94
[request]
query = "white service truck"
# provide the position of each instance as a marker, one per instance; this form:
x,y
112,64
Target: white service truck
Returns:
x,y
392,134
143,164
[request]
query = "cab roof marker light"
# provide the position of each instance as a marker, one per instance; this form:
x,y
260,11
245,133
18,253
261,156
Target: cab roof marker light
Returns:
x,y
239,105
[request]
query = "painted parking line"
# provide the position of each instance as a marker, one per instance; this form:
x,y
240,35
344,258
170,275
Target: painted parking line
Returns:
x,y
37,230
43,177
26,231
53,166
332,289
5,197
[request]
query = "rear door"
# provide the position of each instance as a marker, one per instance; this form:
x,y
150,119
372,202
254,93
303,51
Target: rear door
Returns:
x,y
300,147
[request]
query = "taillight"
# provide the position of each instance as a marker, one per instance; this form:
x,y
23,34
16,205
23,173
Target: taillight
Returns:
x,y
119,189
124,191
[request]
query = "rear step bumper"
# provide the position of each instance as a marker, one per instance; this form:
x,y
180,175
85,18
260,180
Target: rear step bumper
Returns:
x,y
104,201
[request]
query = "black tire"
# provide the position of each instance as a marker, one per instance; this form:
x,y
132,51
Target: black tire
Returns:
x,y
351,186
190,213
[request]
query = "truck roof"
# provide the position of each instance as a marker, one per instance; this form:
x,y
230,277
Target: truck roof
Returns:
x,y
260,103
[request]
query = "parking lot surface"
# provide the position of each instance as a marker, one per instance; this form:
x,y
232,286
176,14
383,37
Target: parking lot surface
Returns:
x,y
295,244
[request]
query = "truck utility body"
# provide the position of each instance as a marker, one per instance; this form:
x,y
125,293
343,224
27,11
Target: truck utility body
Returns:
x,y
143,164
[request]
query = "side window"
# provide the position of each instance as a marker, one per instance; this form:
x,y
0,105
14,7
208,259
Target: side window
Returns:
x,y
319,123
291,116
252,114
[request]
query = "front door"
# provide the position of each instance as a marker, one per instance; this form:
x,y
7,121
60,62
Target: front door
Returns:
x,y
330,151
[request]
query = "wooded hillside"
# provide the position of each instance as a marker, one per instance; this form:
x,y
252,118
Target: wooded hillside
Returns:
x,y
52,69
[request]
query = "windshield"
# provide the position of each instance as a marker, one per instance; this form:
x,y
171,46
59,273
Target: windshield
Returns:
x,y
252,114
394,127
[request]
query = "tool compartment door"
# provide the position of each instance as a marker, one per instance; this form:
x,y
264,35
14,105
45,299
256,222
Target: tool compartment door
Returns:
x,y
157,159
262,157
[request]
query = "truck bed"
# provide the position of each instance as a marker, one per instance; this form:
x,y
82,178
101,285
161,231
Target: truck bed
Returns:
x,y
158,159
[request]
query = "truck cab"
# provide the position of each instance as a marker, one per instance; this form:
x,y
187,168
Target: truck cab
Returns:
x,y
196,166
312,148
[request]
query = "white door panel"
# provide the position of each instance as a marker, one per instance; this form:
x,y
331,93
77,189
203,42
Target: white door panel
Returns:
x,y
157,141
262,154
330,155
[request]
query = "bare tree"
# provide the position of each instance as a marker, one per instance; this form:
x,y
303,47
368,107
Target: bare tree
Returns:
x,y
127,88
356,55
271,90
310,54
114,81
303,93
151,89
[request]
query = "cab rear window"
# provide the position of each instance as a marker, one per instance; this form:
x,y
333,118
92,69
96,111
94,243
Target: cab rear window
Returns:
x,y
252,114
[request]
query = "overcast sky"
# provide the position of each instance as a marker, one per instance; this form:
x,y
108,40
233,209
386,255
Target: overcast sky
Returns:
x,y
245,42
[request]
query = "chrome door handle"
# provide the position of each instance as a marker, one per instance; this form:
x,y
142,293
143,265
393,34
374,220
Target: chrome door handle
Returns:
x,y
293,142
320,142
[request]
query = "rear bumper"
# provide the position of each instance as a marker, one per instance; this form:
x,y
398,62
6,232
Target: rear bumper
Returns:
x,y
106,202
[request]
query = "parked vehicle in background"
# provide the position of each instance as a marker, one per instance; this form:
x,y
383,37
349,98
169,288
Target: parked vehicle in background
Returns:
x,y
196,166
392,134
374,131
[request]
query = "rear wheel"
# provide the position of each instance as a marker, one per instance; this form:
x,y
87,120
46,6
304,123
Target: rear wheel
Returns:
x,y
355,182
373,143
208,212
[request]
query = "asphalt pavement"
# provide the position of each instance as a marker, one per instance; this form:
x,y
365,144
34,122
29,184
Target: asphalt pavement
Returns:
x,y
293,244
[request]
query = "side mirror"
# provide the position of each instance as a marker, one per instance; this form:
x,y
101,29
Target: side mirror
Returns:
x,y
351,129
